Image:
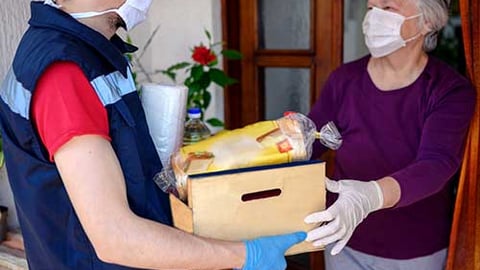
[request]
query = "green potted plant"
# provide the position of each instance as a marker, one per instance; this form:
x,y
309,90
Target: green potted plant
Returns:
x,y
202,72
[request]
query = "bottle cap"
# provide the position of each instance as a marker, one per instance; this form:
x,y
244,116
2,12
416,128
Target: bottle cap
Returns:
x,y
287,113
194,113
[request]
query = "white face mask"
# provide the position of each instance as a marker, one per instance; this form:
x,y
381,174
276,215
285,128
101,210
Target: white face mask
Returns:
x,y
132,12
382,31
51,3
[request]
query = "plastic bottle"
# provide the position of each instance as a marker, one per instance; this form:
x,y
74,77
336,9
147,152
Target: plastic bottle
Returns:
x,y
195,129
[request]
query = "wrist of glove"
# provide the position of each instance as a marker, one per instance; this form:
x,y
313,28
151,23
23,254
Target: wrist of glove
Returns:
x,y
268,253
356,199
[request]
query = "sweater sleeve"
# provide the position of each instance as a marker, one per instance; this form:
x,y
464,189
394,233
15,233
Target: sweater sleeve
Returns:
x,y
441,146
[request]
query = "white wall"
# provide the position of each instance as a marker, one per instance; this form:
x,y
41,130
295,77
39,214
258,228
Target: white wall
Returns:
x,y
13,22
181,27
182,24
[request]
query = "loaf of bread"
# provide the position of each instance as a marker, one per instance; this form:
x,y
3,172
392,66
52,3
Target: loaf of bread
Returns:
x,y
287,139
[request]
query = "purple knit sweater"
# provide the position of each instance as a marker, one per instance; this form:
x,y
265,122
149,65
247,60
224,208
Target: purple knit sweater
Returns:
x,y
416,135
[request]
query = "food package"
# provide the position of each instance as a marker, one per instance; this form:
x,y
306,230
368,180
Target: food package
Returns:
x,y
284,140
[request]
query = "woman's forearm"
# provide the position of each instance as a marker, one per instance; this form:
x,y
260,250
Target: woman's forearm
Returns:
x,y
391,191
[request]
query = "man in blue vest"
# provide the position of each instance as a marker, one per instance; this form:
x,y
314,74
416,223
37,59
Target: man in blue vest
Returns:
x,y
80,158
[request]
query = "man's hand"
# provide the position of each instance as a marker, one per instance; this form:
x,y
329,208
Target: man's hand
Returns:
x,y
268,253
355,201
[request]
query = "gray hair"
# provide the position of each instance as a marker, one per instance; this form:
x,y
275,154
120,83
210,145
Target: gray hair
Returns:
x,y
436,13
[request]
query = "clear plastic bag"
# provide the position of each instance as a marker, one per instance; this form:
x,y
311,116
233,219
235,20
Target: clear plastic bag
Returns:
x,y
286,139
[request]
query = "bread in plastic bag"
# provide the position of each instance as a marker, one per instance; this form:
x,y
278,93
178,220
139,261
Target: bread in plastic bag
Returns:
x,y
284,140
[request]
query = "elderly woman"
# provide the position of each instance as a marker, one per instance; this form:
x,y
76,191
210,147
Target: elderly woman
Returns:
x,y
404,116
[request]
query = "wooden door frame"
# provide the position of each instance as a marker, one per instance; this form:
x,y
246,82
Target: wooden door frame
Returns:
x,y
237,16
231,37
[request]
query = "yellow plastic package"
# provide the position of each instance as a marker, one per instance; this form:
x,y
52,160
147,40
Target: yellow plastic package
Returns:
x,y
263,143
287,139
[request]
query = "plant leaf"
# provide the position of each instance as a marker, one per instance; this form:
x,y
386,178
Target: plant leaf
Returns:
x,y
129,39
193,88
209,36
2,159
197,104
219,77
232,54
215,122
231,81
213,63
196,92
170,71
207,98
169,74
178,66
196,72
204,81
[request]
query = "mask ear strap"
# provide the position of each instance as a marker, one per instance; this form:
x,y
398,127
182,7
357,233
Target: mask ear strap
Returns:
x,y
414,16
419,33
83,15
413,38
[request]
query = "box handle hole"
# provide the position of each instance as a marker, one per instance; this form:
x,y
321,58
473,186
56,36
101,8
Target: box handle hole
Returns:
x,y
261,195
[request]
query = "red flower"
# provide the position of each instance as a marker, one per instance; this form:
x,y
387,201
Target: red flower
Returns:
x,y
203,55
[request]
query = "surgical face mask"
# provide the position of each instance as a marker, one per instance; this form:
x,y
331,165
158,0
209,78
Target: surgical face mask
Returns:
x,y
132,12
51,3
382,31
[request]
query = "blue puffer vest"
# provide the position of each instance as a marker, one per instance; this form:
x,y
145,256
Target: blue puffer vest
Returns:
x,y
54,238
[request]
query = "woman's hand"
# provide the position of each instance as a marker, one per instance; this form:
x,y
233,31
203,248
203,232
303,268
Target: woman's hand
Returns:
x,y
355,201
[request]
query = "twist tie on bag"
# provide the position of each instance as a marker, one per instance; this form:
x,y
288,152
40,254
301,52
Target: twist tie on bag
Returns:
x,y
165,180
329,136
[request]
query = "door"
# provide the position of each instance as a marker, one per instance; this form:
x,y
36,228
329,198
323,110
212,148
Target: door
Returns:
x,y
289,47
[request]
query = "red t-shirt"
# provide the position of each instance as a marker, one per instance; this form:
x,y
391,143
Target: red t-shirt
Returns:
x,y
65,105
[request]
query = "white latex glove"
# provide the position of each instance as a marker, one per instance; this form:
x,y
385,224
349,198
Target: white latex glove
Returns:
x,y
355,201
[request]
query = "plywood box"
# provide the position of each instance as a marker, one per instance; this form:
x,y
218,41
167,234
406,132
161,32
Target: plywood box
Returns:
x,y
247,203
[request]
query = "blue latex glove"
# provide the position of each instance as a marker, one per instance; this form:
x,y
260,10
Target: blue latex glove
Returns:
x,y
268,253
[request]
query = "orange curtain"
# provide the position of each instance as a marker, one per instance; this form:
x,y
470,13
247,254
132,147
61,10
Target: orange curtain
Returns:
x,y
464,250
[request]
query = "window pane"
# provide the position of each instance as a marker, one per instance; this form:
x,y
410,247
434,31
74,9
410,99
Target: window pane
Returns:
x,y
354,44
286,89
284,24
